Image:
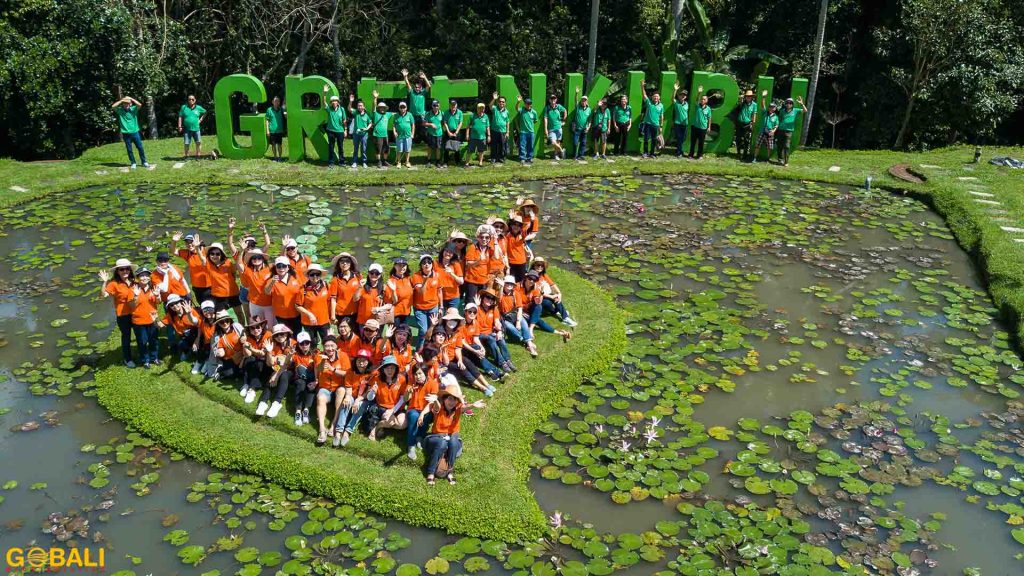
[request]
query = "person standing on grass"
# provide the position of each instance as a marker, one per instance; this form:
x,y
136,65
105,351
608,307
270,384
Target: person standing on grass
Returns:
x,y
680,117
432,124
581,125
189,118
417,99
787,123
404,131
127,111
746,118
451,121
622,117
601,121
359,128
335,128
701,124
650,124
499,129
275,129
381,119
554,115
478,132
527,129
771,124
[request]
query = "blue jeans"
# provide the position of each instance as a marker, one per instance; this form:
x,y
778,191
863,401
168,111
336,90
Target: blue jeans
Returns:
x,y
436,445
347,419
359,147
482,362
414,433
422,323
134,138
148,339
555,308
520,333
453,303
498,348
680,133
534,311
526,146
335,138
579,143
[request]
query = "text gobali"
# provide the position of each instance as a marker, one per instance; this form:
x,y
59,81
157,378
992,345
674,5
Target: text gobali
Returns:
x,y
37,559
303,122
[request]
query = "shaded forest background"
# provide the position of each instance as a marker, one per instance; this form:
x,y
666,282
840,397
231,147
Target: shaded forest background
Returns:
x,y
893,73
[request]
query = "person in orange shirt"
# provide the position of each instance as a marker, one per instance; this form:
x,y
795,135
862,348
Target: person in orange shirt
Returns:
x,y
169,278
443,439
255,351
514,322
348,341
352,407
192,255
203,346
301,372
255,272
478,262
398,343
182,323
240,253
370,295
549,290
345,283
119,289
450,263
491,334
144,315
473,349
447,336
534,305
299,262
427,294
499,261
398,291
331,378
283,288
227,347
388,388
223,280
371,338
515,242
281,349
422,390
313,305
531,218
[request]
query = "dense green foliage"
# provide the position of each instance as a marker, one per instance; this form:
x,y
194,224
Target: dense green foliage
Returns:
x,y
63,63
209,423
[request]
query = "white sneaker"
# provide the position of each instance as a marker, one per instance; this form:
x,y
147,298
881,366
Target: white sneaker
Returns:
x,y
130,364
147,165
364,165
275,407
412,453
261,409
298,418
336,441
134,166
569,322
195,367
244,391
353,164
250,396
305,416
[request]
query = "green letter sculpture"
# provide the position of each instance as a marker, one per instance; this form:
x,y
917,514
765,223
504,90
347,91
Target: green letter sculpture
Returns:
x,y
250,87
303,121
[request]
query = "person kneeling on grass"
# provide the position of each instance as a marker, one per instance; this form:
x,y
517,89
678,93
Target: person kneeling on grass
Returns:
x,y
443,441
422,390
357,383
302,371
386,411
281,349
331,377
255,349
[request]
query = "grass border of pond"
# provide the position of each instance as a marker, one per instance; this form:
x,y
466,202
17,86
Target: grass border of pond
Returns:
x,y
492,498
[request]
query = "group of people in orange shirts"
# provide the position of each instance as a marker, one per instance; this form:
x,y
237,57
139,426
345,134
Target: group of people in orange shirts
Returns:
x,y
367,350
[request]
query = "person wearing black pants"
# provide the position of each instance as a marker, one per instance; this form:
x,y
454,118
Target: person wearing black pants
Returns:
x,y
701,124
119,285
124,325
622,121
302,370
697,141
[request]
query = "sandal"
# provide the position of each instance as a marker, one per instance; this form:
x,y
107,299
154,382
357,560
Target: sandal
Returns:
x,y
430,480
451,479
322,438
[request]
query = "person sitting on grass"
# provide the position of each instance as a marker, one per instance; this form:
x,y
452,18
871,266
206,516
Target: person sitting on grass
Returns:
x,y
301,369
421,391
490,331
473,348
534,306
445,335
227,348
554,116
443,441
331,372
381,118
478,132
357,381
514,322
386,411
255,349
404,132
282,346
549,290
127,111
768,128
183,324
650,123
190,116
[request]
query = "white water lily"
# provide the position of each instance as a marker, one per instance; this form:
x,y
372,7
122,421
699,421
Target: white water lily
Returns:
x,y
624,447
655,421
651,435
556,520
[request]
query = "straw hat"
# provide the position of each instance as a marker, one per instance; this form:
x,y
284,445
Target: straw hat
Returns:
x,y
748,93
528,203
458,235
122,263
489,293
280,329
254,252
351,258
452,314
222,316
540,260
256,321
515,218
452,390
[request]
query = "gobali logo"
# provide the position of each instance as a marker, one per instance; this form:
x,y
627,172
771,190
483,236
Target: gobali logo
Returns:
x,y
55,560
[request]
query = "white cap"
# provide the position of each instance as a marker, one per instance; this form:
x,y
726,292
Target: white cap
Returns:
x,y
510,279
172,299
217,245
282,260
449,380
471,306
335,99
315,268
303,337
207,305
291,243
377,267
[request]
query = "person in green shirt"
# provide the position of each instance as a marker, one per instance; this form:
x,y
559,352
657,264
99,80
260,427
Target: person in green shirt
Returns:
x,y
601,121
554,115
381,119
680,117
787,123
275,128
527,124
499,129
451,121
127,111
404,131
478,132
432,124
701,124
650,123
359,128
417,88
581,125
746,117
768,128
190,116
622,123
334,126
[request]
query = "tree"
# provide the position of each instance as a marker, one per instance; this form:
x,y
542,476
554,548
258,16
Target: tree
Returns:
x,y
812,88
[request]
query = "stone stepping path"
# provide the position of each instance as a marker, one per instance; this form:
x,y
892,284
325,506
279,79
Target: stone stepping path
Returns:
x,y
966,178
178,165
834,169
981,194
19,189
1012,230
988,202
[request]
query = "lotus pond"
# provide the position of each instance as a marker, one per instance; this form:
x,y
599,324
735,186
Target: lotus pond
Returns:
x,y
816,382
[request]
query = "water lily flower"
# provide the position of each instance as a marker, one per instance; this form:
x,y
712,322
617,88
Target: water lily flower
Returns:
x,y
599,428
650,435
624,447
556,520
655,421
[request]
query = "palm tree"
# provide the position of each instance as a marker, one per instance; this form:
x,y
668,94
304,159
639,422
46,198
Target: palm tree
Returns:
x,y
819,42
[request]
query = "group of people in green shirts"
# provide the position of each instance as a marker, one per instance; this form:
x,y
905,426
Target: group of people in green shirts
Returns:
x,y
488,127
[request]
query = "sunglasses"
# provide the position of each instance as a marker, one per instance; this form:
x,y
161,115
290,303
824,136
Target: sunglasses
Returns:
x,y
280,265
371,330
468,312
313,274
124,269
374,273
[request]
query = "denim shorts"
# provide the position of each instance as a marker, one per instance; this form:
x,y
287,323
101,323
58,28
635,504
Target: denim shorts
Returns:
x,y
192,136
339,393
403,145
554,135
